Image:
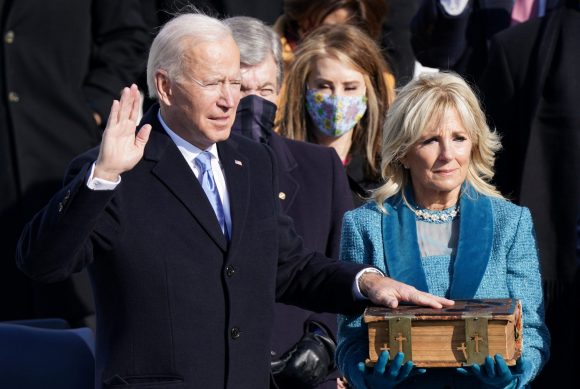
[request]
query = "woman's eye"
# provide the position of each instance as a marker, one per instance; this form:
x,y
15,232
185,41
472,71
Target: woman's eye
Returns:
x,y
267,92
428,141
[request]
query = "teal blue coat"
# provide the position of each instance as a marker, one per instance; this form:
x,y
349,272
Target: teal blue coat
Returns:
x,y
496,258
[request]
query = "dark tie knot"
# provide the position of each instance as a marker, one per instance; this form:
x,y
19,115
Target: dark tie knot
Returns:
x,y
203,161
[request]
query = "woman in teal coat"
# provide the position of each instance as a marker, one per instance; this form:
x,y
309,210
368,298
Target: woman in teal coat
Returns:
x,y
440,225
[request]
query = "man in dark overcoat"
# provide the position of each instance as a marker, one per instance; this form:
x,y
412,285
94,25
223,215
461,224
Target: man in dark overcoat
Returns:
x,y
532,93
181,229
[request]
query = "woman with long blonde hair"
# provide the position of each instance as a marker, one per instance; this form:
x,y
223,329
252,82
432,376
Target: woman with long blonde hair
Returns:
x,y
336,94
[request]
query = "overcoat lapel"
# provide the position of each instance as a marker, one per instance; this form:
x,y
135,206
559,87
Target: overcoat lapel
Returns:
x,y
401,248
402,256
173,171
289,185
236,170
474,247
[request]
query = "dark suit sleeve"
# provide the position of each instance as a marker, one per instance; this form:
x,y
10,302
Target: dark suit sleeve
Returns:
x,y
439,39
120,43
58,241
309,279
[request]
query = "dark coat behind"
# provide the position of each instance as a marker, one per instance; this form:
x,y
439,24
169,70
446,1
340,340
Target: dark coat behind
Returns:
x,y
532,93
60,61
316,195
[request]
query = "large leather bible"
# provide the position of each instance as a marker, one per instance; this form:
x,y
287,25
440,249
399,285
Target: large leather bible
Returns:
x,y
448,337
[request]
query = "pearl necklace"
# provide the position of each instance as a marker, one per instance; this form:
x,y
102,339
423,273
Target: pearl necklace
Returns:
x,y
430,216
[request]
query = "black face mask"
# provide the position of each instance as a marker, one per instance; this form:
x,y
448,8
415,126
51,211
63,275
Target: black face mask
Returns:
x,y
255,118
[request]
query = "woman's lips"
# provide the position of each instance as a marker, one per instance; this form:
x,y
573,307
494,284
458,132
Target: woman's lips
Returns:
x,y
445,172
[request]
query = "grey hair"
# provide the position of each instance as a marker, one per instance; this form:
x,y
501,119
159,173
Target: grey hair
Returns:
x,y
256,41
175,37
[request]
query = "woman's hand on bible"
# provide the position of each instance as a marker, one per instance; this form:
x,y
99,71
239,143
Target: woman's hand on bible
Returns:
x,y
385,375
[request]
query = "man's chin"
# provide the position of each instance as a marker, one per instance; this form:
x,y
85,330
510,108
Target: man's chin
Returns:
x,y
222,134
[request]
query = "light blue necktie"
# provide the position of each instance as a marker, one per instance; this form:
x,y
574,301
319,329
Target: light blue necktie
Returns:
x,y
203,163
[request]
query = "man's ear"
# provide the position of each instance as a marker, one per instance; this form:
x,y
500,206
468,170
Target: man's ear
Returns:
x,y
163,86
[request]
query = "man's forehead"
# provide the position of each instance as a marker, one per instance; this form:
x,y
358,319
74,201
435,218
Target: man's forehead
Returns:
x,y
220,56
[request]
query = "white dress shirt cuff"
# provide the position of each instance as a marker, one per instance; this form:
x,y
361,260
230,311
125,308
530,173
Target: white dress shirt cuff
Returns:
x,y
95,183
356,289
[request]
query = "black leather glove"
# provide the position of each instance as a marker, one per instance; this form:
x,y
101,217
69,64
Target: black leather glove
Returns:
x,y
308,362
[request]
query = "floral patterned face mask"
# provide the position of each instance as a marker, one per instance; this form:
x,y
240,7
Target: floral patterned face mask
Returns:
x,y
335,115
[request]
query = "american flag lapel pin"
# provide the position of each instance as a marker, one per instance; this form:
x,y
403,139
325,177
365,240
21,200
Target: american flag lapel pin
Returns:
x,y
239,163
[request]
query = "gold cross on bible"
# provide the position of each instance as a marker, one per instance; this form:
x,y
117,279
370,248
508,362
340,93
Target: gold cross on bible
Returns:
x,y
400,339
477,339
463,349
385,347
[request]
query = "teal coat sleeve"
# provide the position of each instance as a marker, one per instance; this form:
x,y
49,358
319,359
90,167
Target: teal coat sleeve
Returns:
x,y
524,281
357,247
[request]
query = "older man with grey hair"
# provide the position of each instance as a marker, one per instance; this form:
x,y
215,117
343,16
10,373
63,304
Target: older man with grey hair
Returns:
x,y
314,193
181,229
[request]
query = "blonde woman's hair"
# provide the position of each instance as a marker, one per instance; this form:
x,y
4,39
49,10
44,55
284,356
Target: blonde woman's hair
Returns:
x,y
419,105
350,46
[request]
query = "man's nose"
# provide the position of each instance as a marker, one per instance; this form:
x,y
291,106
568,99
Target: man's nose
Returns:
x,y
228,94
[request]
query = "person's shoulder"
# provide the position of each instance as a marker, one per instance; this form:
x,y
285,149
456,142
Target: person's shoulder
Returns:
x,y
506,212
504,204
246,145
369,211
305,148
521,33
309,156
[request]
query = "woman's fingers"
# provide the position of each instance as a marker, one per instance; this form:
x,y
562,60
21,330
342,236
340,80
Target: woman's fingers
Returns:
x,y
381,365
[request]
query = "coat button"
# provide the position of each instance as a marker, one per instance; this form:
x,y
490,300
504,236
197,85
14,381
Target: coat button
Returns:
x,y
230,270
235,333
282,196
9,37
13,97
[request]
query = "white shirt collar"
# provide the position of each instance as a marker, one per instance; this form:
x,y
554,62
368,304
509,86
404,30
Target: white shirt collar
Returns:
x,y
189,151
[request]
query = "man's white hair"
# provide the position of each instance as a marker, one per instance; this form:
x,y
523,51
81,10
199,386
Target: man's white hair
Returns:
x,y
175,37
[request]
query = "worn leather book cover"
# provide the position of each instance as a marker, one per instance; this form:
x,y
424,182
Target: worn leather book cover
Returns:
x,y
448,337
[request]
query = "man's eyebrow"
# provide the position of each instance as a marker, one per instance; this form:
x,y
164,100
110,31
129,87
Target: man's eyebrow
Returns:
x,y
267,83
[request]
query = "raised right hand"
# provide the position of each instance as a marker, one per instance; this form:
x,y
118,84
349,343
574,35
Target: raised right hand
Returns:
x,y
121,148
